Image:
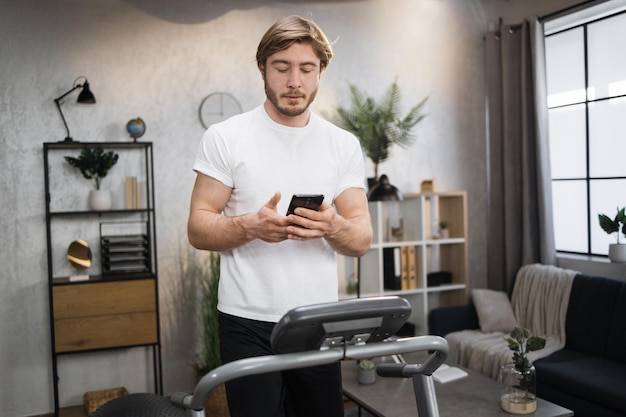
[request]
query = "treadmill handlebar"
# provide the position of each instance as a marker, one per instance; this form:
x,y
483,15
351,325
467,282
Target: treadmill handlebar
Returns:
x,y
264,364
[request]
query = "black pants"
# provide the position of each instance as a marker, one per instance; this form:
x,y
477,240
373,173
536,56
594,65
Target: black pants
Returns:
x,y
308,392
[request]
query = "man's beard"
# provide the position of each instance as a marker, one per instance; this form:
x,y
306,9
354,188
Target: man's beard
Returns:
x,y
289,110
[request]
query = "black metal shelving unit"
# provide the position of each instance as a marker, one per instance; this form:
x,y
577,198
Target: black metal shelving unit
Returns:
x,y
148,279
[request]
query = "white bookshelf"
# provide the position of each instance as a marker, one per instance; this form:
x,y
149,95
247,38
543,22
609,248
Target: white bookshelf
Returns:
x,y
421,215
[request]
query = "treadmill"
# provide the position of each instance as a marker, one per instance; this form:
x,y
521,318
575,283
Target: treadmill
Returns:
x,y
312,335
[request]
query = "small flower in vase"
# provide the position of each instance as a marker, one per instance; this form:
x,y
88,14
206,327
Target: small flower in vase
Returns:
x,y
521,343
518,378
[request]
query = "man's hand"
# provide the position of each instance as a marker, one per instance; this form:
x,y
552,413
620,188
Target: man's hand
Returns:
x,y
268,225
347,228
308,224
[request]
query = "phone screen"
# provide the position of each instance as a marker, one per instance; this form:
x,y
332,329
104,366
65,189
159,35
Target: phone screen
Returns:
x,y
310,201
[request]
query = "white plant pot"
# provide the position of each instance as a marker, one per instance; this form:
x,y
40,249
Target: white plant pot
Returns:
x,y
617,252
100,200
366,376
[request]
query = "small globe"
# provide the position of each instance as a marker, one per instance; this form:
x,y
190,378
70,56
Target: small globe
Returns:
x,y
136,128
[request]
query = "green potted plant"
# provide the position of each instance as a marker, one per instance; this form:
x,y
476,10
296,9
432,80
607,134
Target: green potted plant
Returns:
x,y
378,124
208,282
617,225
444,232
193,317
367,372
518,378
95,164
210,357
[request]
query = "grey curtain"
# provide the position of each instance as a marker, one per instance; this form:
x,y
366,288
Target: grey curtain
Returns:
x,y
520,206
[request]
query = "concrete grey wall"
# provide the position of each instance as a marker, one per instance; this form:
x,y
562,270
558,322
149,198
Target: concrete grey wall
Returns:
x,y
157,59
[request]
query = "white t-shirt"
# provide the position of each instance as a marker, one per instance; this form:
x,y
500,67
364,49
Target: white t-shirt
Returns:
x,y
257,157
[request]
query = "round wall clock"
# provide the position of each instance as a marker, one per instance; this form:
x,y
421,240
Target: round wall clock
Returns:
x,y
217,107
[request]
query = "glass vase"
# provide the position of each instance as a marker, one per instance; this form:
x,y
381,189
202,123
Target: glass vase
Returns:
x,y
519,389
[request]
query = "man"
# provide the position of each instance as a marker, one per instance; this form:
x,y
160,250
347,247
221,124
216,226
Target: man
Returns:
x,y
247,168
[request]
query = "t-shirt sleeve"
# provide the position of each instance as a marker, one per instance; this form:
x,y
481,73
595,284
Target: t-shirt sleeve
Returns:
x,y
352,174
212,158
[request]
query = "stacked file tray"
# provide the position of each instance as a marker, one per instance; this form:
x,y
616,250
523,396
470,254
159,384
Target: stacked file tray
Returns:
x,y
122,254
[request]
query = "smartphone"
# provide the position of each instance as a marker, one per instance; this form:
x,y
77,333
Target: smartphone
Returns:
x,y
310,201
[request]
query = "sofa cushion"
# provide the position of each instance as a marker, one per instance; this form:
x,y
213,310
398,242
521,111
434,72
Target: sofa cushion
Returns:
x,y
580,405
593,323
616,348
444,320
595,378
494,311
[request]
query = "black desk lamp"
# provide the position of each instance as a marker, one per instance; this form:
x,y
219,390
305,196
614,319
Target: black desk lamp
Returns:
x,y
85,96
384,191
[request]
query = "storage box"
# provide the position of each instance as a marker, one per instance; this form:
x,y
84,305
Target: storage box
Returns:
x,y
94,399
435,279
428,186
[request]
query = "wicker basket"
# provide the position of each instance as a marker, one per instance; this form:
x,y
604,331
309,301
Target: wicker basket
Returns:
x,y
95,399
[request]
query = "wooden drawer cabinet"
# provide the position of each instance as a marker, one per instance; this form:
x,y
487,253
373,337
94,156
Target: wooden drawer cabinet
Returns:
x,y
104,315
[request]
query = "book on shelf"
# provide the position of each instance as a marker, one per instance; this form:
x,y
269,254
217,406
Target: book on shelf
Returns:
x,y
133,193
404,255
412,267
392,268
399,268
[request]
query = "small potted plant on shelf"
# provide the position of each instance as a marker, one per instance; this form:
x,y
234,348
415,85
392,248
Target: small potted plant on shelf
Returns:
x,y
367,372
378,124
444,232
617,225
95,164
518,378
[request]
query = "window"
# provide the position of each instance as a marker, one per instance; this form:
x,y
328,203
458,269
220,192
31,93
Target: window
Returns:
x,y
586,81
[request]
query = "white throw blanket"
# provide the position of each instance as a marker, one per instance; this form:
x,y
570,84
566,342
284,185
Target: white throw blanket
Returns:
x,y
539,300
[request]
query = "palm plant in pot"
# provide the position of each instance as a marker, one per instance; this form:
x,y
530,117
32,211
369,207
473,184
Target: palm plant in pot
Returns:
x,y
193,319
518,378
378,124
617,225
209,357
95,164
208,282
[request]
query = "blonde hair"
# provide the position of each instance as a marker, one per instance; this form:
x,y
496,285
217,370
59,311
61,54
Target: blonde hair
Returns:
x,y
288,30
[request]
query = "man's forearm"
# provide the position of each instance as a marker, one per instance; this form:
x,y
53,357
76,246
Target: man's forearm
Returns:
x,y
216,232
353,238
